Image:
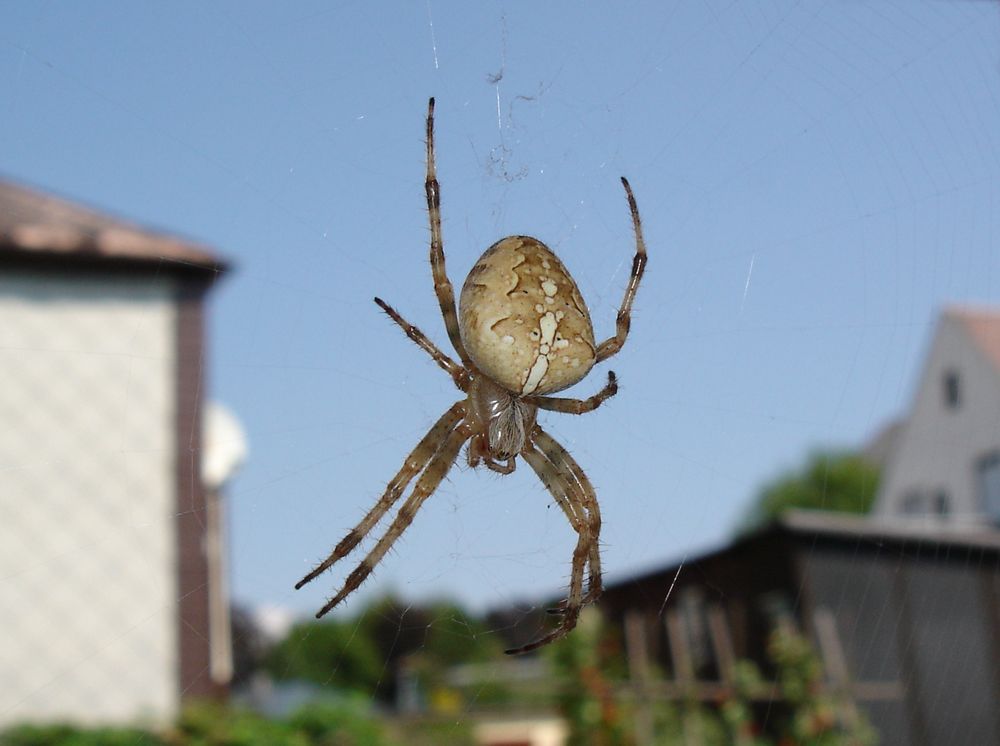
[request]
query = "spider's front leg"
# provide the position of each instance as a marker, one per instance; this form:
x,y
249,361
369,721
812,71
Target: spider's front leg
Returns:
x,y
442,285
612,345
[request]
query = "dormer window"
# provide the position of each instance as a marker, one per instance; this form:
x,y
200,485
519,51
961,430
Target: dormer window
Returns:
x,y
952,389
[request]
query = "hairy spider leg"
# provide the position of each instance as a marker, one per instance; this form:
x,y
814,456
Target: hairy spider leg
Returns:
x,y
566,464
425,486
442,286
559,488
458,374
576,406
426,449
581,517
560,457
612,345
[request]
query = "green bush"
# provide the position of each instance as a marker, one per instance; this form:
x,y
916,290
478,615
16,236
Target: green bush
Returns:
x,y
329,725
433,732
68,735
215,725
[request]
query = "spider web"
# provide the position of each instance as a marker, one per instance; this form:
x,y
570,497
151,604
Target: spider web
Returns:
x,y
816,181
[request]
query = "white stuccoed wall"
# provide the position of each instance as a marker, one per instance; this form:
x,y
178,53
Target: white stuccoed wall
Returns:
x,y
87,565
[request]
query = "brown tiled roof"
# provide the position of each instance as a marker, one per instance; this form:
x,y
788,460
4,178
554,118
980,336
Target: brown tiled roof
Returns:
x,y
983,325
34,224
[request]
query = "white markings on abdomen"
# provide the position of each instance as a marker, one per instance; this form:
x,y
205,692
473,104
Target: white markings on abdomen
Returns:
x,y
548,323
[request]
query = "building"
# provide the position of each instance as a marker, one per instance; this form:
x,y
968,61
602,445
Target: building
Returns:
x,y
945,460
904,617
106,579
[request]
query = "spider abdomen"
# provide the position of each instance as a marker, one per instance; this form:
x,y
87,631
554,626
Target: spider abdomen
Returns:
x,y
523,321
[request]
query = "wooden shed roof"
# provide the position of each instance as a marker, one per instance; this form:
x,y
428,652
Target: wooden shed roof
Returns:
x,y
37,225
805,527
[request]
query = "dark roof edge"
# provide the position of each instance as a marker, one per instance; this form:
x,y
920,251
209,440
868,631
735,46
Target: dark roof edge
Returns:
x,y
28,258
842,527
36,225
895,529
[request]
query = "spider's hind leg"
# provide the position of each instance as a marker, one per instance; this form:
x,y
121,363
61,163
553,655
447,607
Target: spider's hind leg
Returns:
x,y
571,489
587,496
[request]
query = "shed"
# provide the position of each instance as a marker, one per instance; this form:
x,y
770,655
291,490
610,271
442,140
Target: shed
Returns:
x,y
106,589
905,617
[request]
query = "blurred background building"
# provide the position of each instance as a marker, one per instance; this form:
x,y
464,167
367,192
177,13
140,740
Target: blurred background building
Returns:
x,y
111,542
944,464
903,619
902,605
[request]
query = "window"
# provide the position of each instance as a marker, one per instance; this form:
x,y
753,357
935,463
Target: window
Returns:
x,y
952,389
694,616
913,503
942,503
988,485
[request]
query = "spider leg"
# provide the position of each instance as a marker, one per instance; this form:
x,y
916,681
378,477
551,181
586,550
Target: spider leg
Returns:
x,y
414,464
493,465
558,486
610,346
563,461
436,470
568,491
576,406
453,369
442,286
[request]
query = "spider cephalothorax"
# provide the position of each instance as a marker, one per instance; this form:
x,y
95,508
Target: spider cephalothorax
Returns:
x,y
523,331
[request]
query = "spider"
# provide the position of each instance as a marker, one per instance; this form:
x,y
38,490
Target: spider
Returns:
x,y
522,332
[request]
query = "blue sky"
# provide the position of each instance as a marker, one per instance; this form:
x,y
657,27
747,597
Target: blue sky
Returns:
x,y
815,181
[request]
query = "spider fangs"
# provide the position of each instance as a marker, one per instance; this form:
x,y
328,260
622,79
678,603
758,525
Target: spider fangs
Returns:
x,y
523,332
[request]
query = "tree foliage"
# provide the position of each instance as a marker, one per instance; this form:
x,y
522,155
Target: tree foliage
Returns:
x,y
329,653
843,482
364,653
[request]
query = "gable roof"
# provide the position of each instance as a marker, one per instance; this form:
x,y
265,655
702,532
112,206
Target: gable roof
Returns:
x,y
36,225
983,326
